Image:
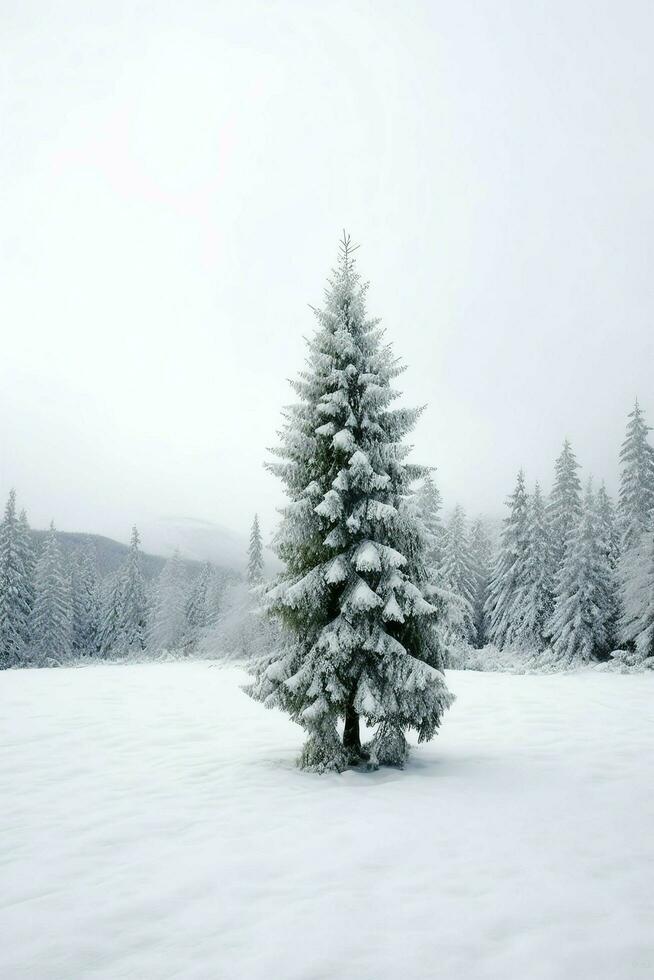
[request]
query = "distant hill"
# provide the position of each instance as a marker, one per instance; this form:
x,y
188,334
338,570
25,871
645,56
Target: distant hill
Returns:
x,y
197,539
110,554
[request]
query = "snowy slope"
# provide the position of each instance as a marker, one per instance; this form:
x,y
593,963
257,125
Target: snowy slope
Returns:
x,y
153,825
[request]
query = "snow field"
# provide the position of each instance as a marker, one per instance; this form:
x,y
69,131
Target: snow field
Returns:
x,y
153,825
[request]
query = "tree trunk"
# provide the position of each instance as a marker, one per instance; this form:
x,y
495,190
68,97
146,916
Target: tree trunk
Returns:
x,y
351,736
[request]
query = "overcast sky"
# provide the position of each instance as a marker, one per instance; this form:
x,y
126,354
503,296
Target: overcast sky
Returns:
x,y
175,178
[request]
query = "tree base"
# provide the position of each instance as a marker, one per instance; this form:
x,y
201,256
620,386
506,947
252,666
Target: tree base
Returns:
x,y
323,752
389,747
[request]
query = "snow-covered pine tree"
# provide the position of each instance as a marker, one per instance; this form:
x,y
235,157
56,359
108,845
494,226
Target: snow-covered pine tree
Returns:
x,y
360,638
124,620
198,608
563,509
509,574
580,622
51,625
255,554
482,559
534,602
16,588
85,601
457,572
168,615
637,480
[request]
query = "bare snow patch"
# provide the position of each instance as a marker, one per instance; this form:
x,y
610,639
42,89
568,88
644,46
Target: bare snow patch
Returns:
x,y
153,825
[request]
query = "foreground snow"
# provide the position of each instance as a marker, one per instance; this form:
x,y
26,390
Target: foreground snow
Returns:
x,y
153,825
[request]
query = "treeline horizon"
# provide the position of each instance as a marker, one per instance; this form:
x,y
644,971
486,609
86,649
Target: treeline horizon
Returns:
x,y
570,580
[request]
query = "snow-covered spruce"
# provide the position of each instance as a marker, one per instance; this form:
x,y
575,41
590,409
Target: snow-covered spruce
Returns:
x,y
509,574
16,586
255,554
584,607
51,621
359,637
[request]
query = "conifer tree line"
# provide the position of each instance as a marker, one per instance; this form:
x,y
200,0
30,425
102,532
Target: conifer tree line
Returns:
x,y
56,607
573,578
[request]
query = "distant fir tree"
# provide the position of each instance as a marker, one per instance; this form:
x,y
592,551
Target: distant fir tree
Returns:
x,y
85,601
16,587
580,623
360,635
534,601
563,509
430,504
124,620
451,609
51,626
457,572
637,480
28,555
636,518
167,626
509,574
198,608
255,554
481,553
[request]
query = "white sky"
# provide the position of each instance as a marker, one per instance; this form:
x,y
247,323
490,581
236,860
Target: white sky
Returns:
x,y
175,177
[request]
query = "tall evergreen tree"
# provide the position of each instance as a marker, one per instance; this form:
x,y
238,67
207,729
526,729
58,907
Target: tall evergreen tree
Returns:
x,y
124,620
637,480
509,574
564,508
534,601
85,601
361,640
255,554
16,588
457,573
51,626
482,560
168,616
580,623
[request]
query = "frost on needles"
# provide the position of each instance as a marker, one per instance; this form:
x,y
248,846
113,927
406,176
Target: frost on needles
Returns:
x,y
359,637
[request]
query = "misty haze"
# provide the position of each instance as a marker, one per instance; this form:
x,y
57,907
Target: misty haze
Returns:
x,y
326,389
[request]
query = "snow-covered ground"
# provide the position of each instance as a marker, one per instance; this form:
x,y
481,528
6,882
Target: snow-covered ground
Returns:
x,y
152,824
